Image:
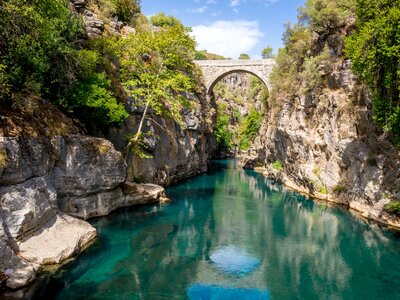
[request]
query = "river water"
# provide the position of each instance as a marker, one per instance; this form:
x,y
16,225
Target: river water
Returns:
x,y
232,234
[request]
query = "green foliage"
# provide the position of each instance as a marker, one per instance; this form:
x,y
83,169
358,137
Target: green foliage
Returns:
x,y
125,11
157,69
323,190
249,129
204,55
223,134
374,49
267,53
393,207
285,77
311,75
297,63
339,188
325,15
162,20
257,88
277,165
38,58
36,47
244,56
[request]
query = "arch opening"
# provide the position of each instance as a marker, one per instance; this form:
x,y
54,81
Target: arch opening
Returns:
x,y
241,97
221,75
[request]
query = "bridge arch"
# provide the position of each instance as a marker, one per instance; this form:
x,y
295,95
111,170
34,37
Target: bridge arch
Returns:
x,y
214,70
221,75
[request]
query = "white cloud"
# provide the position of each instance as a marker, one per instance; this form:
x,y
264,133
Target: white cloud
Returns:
x,y
228,38
234,3
198,10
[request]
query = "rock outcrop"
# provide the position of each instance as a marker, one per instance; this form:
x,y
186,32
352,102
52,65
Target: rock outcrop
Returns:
x,y
177,152
49,182
328,143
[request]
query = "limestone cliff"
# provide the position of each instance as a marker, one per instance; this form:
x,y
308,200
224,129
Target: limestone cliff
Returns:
x,y
325,143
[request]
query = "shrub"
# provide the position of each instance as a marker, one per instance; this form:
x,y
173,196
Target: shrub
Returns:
x,y
374,49
339,188
162,20
249,128
223,135
393,207
324,15
277,165
323,190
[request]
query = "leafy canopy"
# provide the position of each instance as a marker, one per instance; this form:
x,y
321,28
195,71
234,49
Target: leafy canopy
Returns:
x,y
162,20
374,49
39,58
157,69
267,53
244,56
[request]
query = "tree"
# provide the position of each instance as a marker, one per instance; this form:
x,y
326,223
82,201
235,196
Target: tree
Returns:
x,y
267,53
162,20
157,70
374,49
244,56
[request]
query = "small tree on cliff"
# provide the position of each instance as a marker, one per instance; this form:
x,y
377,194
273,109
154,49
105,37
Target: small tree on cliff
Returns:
x,y
157,69
267,53
244,56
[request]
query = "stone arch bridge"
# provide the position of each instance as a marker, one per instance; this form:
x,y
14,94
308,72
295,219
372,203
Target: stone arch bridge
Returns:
x,y
214,70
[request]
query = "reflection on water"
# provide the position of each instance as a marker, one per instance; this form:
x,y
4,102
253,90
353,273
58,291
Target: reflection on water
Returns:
x,y
232,260
215,292
285,246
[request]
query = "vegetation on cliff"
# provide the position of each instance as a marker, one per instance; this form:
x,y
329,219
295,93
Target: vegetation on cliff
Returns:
x,y
44,53
374,49
238,122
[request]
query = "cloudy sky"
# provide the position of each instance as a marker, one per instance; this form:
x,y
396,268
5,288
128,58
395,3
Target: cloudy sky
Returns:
x,y
231,27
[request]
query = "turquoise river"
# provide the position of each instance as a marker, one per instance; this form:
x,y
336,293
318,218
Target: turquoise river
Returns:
x,y
232,234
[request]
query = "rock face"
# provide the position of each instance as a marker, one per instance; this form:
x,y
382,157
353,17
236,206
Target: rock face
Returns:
x,y
45,183
39,177
328,144
176,153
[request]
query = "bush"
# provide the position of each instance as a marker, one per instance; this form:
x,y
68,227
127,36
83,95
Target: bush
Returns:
x,y
125,11
162,20
39,59
339,188
324,15
374,49
36,47
277,165
393,207
323,190
249,128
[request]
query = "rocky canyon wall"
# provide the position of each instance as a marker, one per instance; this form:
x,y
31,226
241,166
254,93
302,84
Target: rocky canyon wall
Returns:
x,y
325,143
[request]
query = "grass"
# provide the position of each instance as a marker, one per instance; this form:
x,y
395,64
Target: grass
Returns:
x,y
277,165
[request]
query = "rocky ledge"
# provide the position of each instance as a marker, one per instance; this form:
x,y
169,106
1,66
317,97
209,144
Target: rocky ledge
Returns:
x,y
46,187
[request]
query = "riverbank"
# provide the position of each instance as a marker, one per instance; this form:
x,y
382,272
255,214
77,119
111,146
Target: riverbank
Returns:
x,y
374,213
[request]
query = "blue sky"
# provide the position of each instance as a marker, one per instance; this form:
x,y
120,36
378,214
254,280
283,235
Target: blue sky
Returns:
x,y
231,27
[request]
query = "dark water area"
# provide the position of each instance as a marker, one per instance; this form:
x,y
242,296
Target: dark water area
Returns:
x,y
232,234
